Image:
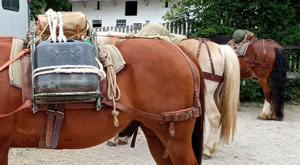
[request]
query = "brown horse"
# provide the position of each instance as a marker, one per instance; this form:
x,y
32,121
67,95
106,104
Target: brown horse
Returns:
x,y
266,61
149,88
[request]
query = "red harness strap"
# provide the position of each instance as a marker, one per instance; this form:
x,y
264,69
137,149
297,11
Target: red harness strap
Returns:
x,y
27,105
25,51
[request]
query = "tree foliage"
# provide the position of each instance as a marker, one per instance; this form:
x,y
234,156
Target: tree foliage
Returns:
x,y
40,6
276,19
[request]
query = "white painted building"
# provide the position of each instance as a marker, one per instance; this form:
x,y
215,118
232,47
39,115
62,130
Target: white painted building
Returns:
x,y
105,13
14,18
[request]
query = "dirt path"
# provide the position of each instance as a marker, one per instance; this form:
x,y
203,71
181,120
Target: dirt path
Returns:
x,y
256,142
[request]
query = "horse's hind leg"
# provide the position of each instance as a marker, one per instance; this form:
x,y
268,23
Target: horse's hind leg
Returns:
x,y
179,149
214,117
266,111
156,147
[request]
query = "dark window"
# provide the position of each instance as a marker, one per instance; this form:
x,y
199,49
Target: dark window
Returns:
x,y
131,8
166,4
121,22
11,5
99,5
97,23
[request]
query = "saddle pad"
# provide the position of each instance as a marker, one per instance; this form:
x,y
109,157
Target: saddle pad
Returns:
x,y
159,31
15,67
117,58
239,48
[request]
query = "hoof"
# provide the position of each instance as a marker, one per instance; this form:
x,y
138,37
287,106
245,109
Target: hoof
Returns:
x,y
206,154
122,142
206,157
111,144
262,116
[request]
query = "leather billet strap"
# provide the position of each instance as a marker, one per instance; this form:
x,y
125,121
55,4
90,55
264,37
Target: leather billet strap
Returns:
x,y
59,118
54,124
50,123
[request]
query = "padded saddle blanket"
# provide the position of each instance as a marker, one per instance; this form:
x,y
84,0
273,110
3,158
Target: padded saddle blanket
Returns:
x,y
116,56
159,31
15,67
239,48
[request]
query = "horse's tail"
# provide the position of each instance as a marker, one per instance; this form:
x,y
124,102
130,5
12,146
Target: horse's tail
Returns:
x,y
198,133
229,96
278,80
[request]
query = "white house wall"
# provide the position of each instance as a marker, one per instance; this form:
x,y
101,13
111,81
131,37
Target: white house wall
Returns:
x,y
14,23
112,11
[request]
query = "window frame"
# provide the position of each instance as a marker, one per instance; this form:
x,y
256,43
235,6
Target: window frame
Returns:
x,y
121,24
10,8
96,21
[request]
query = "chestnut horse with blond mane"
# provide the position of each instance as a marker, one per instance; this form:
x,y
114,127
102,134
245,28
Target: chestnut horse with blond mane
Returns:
x,y
221,96
162,98
265,60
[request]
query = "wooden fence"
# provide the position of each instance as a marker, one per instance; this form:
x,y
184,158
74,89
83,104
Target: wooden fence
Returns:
x,y
184,29
293,60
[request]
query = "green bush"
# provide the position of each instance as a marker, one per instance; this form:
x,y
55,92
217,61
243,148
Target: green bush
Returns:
x,y
251,91
292,93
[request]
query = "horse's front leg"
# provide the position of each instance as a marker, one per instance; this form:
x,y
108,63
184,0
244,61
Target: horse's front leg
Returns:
x,y
266,113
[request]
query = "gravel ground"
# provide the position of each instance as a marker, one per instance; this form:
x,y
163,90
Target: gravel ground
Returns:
x,y
256,142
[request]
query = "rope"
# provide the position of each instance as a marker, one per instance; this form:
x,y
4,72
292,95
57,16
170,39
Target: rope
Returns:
x,y
113,91
68,69
54,20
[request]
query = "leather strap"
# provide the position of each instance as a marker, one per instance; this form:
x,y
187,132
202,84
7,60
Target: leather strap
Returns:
x,y
27,105
181,115
196,100
26,74
50,123
59,117
255,63
134,137
203,40
54,124
210,76
25,51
